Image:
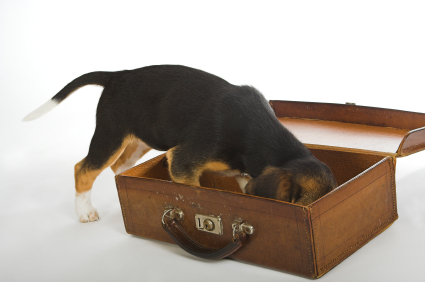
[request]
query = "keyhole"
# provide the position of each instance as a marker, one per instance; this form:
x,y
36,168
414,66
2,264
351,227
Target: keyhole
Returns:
x,y
209,225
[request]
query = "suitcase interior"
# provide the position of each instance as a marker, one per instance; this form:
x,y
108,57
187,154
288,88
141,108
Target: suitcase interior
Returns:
x,y
344,166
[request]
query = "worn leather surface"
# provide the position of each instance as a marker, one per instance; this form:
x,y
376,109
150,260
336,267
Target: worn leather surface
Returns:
x,y
346,136
353,128
413,142
349,114
350,216
307,240
181,238
284,237
346,165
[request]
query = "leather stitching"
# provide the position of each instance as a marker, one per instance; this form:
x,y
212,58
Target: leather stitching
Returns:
x,y
377,228
234,194
135,171
315,235
315,220
366,185
340,187
122,205
308,242
392,172
411,150
356,243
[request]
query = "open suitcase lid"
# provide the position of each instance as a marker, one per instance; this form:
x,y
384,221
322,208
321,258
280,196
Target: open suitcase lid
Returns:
x,y
353,128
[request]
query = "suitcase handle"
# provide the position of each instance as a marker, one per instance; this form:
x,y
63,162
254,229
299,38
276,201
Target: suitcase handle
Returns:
x,y
182,239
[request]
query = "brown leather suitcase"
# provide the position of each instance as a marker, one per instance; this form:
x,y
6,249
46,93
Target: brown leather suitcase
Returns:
x,y
359,144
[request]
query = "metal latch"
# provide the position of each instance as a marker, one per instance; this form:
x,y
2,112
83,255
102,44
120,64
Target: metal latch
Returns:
x,y
175,213
209,223
241,226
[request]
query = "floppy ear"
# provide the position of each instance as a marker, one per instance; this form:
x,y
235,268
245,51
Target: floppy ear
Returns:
x,y
313,188
287,190
273,183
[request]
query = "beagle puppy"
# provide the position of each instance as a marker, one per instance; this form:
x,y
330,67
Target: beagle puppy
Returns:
x,y
203,122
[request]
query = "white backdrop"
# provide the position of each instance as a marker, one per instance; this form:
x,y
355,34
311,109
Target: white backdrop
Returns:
x,y
367,52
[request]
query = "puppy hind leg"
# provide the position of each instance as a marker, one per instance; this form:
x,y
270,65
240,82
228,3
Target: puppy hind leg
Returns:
x,y
102,154
181,169
134,151
84,208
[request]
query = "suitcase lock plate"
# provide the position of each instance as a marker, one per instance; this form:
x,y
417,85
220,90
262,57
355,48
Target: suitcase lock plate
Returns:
x,y
209,223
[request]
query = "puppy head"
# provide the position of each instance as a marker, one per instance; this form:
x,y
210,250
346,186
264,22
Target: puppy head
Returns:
x,y
301,182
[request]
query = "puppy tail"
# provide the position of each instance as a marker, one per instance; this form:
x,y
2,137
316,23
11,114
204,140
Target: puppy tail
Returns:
x,y
98,78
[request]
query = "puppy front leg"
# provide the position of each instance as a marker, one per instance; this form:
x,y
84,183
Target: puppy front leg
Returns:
x,y
242,180
181,169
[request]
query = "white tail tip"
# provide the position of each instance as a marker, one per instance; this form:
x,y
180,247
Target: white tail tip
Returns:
x,y
46,107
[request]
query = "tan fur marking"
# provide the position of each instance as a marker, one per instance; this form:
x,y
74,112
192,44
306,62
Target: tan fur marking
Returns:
x,y
312,188
270,170
169,155
84,178
188,180
195,174
128,153
129,150
309,183
215,166
283,192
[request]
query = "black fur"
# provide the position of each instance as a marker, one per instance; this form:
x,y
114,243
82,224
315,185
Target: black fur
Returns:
x,y
99,78
205,116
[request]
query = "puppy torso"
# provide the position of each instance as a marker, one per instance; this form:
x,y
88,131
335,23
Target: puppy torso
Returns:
x,y
169,106
203,122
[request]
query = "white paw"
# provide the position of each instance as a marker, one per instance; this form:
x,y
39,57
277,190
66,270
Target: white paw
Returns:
x,y
86,212
242,181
